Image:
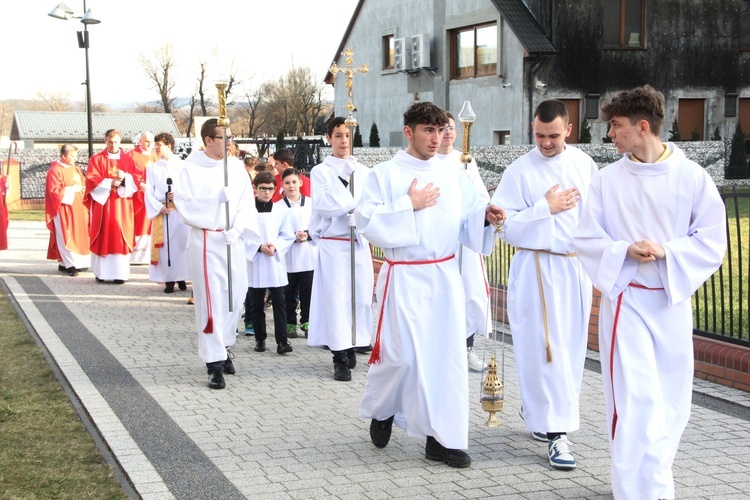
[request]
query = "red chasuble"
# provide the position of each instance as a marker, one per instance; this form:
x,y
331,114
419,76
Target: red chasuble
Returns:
x,y
74,218
111,228
142,224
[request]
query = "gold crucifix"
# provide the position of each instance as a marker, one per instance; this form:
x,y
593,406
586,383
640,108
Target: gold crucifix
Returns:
x,y
349,70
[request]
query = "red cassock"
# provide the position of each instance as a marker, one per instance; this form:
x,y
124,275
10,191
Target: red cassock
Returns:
x,y
3,212
111,228
74,218
142,224
305,189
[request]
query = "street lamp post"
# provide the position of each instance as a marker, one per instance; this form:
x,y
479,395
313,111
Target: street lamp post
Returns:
x,y
64,12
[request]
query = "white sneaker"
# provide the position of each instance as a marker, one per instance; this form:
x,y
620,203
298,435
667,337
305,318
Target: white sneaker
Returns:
x,y
475,364
559,453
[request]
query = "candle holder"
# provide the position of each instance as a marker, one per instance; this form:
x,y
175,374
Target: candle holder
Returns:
x,y
467,118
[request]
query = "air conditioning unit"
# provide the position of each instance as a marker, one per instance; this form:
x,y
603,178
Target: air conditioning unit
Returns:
x,y
402,59
420,51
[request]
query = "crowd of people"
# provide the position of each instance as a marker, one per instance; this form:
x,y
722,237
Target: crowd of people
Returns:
x,y
646,231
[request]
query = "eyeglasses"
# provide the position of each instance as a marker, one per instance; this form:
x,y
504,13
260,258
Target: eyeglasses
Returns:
x,y
449,128
266,189
229,137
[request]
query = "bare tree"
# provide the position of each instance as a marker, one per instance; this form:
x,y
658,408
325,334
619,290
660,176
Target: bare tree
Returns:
x,y
293,102
54,101
250,116
204,102
158,67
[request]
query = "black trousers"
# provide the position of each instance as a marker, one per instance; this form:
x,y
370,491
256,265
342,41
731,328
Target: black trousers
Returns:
x,y
298,283
258,315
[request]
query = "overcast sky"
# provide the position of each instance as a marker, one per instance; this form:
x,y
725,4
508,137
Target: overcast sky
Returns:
x,y
264,37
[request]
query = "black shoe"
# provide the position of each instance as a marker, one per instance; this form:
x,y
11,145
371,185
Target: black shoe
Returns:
x,y
61,268
98,280
351,361
260,345
363,350
341,372
169,288
229,366
216,380
380,432
72,271
283,348
182,285
452,458
119,282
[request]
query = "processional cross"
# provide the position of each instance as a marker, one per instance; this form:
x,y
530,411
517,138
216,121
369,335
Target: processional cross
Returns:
x,y
349,70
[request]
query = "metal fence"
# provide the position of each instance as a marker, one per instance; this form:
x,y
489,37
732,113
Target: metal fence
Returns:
x,y
721,306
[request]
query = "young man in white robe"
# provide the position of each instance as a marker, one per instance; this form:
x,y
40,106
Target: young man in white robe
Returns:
x,y
266,266
169,262
331,301
417,210
473,272
653,230
201,201
549,293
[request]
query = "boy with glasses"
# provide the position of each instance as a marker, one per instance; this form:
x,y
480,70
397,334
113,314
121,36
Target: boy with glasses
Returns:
x,y
266,266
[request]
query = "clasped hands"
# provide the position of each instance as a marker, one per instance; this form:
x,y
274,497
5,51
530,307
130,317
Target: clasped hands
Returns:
x,y
646,251
268,249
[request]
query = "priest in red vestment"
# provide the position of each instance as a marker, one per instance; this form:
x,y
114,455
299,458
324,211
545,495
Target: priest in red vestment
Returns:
x,y
111,181
66,215
143,155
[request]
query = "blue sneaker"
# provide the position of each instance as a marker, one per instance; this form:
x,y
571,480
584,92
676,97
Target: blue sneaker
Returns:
x,y
540,436
249,330
559,453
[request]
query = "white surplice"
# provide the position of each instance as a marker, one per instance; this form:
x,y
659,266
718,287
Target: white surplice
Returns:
x,y
173,263
302,254
200,182
331,303
673,203
473,271
549,390
421,377
269,271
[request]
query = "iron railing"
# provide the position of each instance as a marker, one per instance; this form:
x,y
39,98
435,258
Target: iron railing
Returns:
x,y
721,306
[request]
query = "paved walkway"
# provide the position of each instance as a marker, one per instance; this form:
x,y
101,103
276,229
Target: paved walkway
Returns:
x,y
283,428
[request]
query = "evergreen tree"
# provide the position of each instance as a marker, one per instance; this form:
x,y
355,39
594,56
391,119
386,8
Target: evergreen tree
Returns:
x,y
607,139
357,138
374,136
717,134
738,166
674,132
585,135
280,139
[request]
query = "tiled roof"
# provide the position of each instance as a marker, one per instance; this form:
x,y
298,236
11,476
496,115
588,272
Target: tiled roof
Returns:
x,y
525,26
55,126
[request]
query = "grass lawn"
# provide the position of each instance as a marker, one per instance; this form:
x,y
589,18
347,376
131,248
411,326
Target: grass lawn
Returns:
x,y
26,215
45,451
